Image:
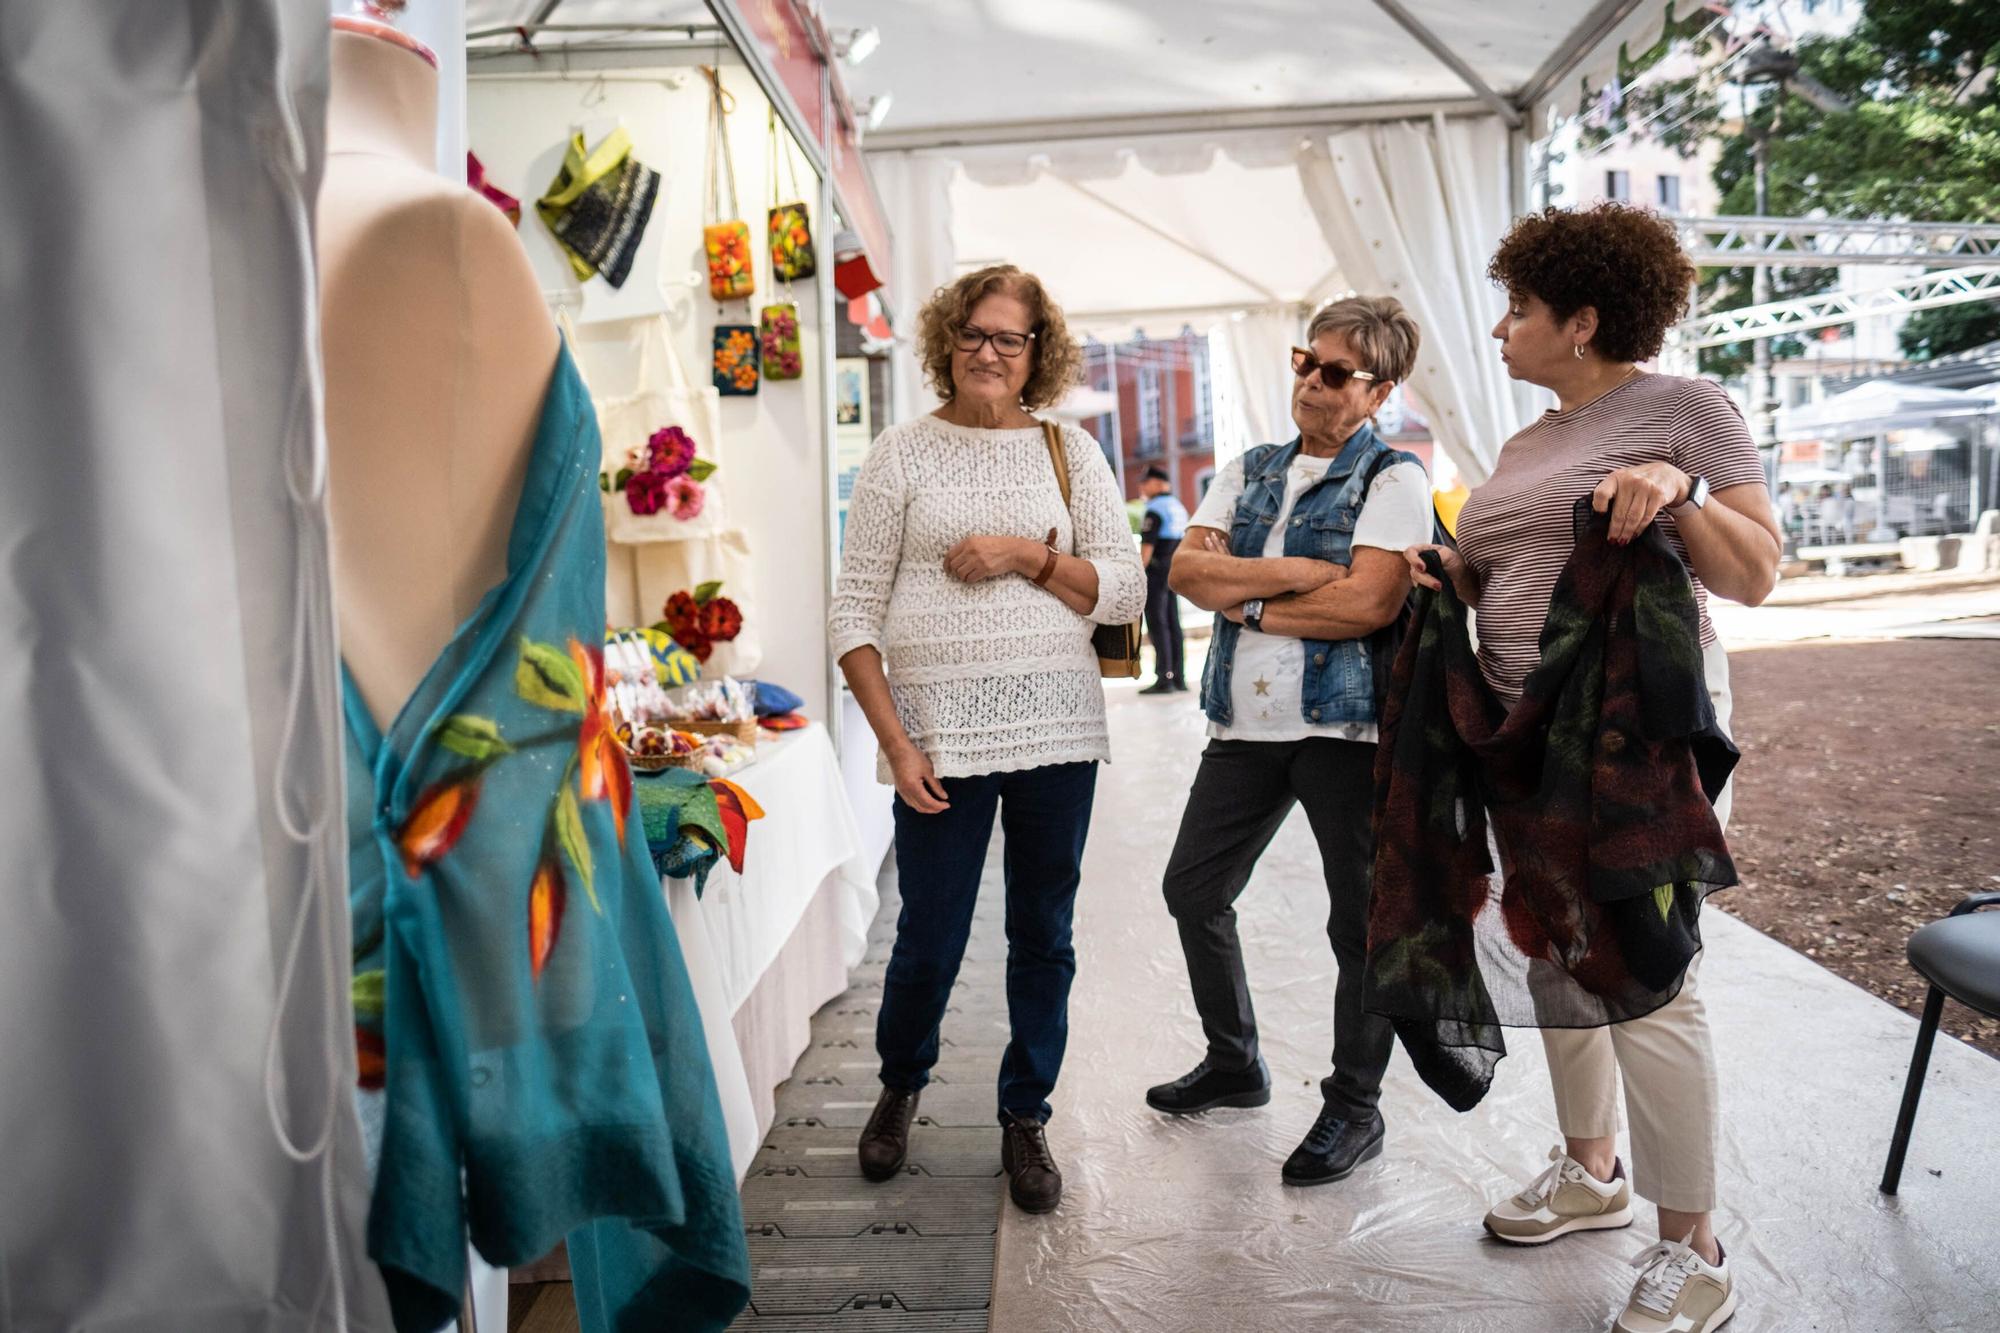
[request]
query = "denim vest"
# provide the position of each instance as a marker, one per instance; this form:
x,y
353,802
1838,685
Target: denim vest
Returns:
x,y
1338,684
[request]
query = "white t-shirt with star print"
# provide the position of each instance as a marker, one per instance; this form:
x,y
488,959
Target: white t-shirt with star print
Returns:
x,y
1267,688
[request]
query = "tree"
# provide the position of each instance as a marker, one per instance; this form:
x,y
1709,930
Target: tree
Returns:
x,y
1920,140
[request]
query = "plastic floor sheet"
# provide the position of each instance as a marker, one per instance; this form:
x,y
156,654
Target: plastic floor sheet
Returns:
x,y
1173,1225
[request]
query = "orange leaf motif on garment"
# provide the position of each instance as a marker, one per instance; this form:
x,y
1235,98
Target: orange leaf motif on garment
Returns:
x,y
437,821
545,913
371,1064
601,768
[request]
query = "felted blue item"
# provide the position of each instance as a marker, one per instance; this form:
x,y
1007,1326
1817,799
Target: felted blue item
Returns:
x,y
775,699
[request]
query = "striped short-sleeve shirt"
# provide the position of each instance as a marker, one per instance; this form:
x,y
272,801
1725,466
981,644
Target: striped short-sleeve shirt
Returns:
x,y
1515,527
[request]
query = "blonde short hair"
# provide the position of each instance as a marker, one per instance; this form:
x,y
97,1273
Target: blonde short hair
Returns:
x,y
1379,329
1058,360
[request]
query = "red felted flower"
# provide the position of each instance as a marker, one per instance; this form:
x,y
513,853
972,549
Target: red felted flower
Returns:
x,y
672,451
681,613
720,620
646,492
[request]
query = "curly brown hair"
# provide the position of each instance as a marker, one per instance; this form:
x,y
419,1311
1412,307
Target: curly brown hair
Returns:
x,y
1058,360
1625,261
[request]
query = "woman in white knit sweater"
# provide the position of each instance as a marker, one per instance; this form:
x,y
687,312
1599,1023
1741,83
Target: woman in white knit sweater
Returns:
x,y
967,597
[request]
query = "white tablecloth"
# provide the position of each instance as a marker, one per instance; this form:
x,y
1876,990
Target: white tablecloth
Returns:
x,y
806,841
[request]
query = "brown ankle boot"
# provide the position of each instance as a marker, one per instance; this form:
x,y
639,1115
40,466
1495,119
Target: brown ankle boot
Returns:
x,y
885,1141
1032,1177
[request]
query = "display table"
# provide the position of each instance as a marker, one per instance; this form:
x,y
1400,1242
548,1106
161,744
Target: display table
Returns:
x,y
766,948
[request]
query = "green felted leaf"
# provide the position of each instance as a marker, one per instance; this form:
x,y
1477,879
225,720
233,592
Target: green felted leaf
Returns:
x,y
1663,898
569,833
624,475
701,469
705,593
477,738
548,678
604,481
366,990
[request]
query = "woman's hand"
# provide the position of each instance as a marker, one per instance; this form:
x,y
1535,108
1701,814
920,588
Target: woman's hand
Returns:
x,y
1455,569
916,782
977,559
1633,496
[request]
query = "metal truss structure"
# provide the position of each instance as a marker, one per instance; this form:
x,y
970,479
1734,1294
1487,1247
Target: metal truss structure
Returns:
x,y
1822,242
1947,287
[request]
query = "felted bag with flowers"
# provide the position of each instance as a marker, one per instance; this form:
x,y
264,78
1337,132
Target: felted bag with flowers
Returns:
x,y
792,257
778,341
725,238
660,471
733,364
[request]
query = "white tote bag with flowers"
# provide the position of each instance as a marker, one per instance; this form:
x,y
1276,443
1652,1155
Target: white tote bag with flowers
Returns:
x,y
662,569
662,473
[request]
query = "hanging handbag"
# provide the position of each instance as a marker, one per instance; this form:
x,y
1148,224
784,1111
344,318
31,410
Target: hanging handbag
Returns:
x,y
734,364
778,340
686,501
731,275
792,256
1117,646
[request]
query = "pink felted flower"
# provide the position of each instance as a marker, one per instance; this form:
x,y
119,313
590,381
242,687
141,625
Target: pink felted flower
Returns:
x,y
672,451
685,497
647,492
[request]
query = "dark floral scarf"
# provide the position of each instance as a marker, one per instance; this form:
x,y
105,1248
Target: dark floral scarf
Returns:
x,y
1599,786
598,206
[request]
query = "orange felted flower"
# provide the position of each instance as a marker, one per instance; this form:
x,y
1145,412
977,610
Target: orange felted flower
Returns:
x,y
746,377
437,821
741,342
601,769
545,912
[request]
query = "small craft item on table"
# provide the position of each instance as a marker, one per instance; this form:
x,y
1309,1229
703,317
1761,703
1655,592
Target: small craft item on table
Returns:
x,y
684,827
672,664
598,205
725,707
774,699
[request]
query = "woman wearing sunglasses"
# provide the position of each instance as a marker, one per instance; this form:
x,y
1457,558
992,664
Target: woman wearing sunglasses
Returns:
x,y
1589,295
968,592
1297,548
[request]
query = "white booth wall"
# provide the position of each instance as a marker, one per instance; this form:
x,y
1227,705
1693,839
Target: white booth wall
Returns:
x,y
774,452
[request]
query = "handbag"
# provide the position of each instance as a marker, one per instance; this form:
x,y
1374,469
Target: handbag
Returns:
x,y
726,241
733,365
1117,646
662,397
778,339
792,255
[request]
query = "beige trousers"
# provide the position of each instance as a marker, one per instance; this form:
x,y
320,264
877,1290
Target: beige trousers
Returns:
x,y
1666,1061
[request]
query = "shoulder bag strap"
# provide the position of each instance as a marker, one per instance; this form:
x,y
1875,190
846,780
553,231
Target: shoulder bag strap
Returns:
x,y
1058,456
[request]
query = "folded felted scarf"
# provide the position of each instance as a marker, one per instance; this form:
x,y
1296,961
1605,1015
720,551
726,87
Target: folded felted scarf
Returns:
x,y
598,204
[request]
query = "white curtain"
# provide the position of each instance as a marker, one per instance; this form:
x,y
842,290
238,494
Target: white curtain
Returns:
x,y
1250,360
916,194
168,709
1413,210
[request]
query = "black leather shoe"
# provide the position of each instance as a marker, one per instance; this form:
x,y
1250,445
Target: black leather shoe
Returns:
x,y
1180,686
1333,1147
1032,1178
1205,1087
885,1141
1164,685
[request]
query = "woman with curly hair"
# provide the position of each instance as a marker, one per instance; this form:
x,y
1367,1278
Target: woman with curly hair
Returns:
x,y
1590,294
968,593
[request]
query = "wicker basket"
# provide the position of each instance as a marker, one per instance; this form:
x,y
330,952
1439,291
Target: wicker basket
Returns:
x,y
744,731
660,763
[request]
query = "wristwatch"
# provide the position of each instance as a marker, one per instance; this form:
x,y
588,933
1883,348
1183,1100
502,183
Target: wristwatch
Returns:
x,y
1253,614
1697,493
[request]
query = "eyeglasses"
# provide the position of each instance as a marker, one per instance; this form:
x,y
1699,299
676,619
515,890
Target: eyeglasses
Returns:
x,y
1006,342
1333,375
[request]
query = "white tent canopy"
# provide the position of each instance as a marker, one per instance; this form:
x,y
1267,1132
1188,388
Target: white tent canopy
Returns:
x,y
1881,405
1169,162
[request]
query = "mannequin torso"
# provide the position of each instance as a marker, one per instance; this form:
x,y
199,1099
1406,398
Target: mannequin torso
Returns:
x,y
438,351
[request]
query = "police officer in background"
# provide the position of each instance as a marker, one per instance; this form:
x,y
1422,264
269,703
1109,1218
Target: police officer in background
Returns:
x,y
1159,537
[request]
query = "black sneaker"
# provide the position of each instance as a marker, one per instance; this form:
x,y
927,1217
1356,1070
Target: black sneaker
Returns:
x,y
885,1140
1333,1147
1164,685
1205,1087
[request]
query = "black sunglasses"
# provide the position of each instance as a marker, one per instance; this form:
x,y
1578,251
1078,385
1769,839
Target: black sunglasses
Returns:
x,y
1332,374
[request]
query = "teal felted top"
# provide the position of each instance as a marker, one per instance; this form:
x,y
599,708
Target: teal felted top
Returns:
x,y
520,996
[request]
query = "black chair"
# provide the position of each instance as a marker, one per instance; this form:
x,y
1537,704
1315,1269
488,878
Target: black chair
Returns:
x,y
1960,957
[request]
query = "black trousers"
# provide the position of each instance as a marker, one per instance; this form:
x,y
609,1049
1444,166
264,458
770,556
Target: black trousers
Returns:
x,y
1163,619
1241,794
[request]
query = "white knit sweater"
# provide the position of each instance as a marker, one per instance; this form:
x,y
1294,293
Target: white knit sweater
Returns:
x,y
995,676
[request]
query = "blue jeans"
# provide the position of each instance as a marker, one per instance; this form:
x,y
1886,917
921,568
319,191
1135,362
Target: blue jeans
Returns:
x,y
1044,817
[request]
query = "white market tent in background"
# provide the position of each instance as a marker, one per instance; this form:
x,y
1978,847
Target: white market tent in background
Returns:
x,y
1881,405
1170,162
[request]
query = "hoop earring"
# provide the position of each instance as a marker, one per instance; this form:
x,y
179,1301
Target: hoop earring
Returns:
x,y
1578,349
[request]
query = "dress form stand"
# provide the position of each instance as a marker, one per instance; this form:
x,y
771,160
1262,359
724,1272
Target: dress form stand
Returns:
x,y
438,350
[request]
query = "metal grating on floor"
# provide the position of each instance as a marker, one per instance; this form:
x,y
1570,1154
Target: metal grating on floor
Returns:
x,y
832,1252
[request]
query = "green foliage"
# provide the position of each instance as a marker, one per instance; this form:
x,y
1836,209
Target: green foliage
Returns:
x,y
1948,329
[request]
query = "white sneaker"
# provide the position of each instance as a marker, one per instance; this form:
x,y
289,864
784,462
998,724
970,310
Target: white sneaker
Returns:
x,y
1678,1291
1562,1199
